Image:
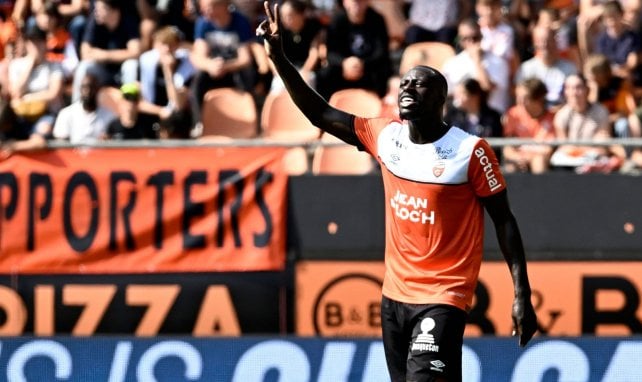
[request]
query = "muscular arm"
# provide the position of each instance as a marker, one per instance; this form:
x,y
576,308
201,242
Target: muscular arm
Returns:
x,y
510,243
313,106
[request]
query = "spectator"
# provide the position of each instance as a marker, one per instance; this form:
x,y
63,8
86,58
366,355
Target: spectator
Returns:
x,y
358,53
35,88
632,15
435,20
547,66
588,25
8,29
615,93
23,12
324,9
221,53
490,70
579,119
76,15
84,121
498,36
155,14
562,21
13,47
617,42
395,13
165,75
470,112
129,124
521,15
110,47
302,35
530,118
60,46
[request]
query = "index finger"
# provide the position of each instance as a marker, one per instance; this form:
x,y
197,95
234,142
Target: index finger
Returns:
x,y
268,12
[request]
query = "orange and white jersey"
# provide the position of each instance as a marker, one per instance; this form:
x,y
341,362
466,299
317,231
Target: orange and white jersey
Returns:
x,y
434,219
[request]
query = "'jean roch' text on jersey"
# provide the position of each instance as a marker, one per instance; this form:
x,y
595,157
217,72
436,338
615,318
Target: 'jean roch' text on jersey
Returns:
x,y
412,208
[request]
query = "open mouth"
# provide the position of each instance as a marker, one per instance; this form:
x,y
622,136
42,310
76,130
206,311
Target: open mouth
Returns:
x,y
406,101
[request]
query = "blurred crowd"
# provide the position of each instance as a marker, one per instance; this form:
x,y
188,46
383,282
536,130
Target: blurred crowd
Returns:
x,y
545,70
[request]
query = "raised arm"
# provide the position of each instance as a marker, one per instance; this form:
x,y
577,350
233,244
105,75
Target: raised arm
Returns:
x,y
313,106
510,243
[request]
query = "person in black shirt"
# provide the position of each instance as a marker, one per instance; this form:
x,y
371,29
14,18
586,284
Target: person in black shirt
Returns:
x,y
130,124
110,46
357,51
302,35
469,111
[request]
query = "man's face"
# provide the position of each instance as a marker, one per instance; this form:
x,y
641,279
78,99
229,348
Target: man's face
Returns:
x,y
469,37
356,9
103,12
418,94
291,19
215,10
543,40
88,89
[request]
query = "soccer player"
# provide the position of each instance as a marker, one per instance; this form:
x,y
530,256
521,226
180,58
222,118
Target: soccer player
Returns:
x,y
437,181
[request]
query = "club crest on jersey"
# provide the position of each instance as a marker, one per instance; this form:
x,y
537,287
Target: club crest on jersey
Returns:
x,y
438,168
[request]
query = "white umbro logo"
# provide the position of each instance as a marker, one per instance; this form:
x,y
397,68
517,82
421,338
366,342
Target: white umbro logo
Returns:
x,y
437,365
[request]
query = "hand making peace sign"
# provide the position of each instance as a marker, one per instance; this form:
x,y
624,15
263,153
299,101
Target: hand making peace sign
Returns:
x,y
269,29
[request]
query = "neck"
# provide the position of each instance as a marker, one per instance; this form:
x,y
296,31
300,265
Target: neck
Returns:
x,y
112,23
581,107
548,59
422,132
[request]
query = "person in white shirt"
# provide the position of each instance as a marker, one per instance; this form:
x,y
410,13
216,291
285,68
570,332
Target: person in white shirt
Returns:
x,y
547,66
498,35
165,74
490,70
435,20
84,121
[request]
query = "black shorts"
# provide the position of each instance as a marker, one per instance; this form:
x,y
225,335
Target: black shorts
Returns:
x,y
422,342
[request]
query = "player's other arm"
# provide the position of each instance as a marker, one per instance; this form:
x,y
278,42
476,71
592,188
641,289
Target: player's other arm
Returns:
x,y
510,243
313,106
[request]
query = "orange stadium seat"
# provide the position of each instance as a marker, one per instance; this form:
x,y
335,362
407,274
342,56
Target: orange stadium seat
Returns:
x,y
282,120
229,113
330,158
296,161
341,159
360,102
430,53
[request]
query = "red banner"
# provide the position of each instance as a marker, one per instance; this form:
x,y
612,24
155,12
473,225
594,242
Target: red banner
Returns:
x,y
196,209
